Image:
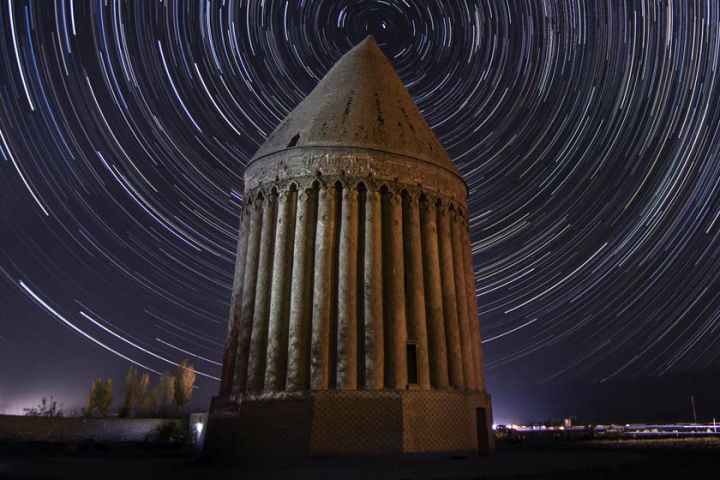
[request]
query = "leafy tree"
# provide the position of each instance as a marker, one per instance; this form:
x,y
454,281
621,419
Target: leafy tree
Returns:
x,y
164,394
100,398
136,389
184,381
46,408
128,406
149,406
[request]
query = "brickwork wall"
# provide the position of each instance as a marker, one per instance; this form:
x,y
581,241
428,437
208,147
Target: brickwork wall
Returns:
x,y
352,422
70,429
438,421
276,427
345,423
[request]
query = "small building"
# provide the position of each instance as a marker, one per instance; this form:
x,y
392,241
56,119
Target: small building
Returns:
x,y
354,325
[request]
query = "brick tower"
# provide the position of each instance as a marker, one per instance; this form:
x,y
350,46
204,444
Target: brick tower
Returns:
x,y
354,326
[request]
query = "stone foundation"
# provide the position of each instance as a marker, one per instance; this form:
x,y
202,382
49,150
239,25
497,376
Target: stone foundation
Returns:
x,y
352,423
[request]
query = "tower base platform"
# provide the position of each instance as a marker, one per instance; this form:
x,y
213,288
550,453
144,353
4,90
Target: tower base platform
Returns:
x,y
330,423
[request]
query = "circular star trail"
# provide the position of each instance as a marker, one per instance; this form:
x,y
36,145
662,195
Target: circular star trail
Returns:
x,y
587,132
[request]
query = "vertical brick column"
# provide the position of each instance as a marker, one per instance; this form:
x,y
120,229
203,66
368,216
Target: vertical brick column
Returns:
x,y
248,298
452,328
324,257
347,292
298,373
231,341
373,293
415,281
433,295
397,328
472,311
258,339
468,358
277,347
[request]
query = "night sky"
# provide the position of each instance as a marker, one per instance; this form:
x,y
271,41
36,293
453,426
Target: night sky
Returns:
x,y
588,133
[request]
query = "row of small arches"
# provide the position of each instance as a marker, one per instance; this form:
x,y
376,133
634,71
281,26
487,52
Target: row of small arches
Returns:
x,y
360,186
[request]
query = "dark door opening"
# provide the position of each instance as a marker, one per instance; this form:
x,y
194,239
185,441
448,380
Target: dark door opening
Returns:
x,y
294,140
412,364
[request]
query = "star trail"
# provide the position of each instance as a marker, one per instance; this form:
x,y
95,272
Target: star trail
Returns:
x,y
588,133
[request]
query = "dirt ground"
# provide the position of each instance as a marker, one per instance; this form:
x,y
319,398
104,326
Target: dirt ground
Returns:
x,y
579,460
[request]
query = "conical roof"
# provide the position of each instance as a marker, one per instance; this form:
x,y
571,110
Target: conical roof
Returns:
x,y
361,103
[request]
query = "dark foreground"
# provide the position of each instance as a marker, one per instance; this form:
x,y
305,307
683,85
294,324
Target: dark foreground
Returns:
x,y
565,461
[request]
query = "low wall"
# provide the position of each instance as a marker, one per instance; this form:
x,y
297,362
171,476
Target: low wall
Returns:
x,y
73,429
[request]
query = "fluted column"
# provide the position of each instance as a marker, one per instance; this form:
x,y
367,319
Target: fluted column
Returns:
x,y
280,294
248,297
258,340
231,341
452,328
373,293
298,373
472,312
347,292
417,324
468,358
397,328
324,256
239,276
433,295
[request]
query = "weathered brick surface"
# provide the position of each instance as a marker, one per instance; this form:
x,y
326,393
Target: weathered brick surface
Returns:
x,y
437,421
345,423
357,422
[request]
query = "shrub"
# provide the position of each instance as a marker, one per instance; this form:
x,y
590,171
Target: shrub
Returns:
x,y
170,432
46,408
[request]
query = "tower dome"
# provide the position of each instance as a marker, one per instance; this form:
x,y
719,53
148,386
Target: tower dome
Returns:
x,y
353,311
360,103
